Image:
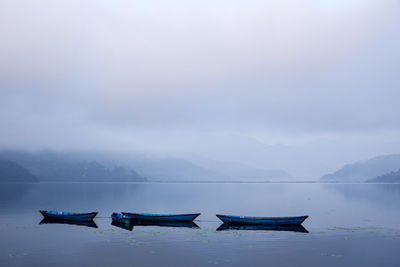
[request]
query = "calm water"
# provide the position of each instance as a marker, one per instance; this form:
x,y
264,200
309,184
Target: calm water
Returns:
x,y
349,225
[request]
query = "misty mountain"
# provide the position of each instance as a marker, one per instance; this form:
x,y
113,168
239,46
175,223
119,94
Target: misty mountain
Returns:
x,y
365,170
170,168
175,169
11,172
303,161
57,167
108,166
392,177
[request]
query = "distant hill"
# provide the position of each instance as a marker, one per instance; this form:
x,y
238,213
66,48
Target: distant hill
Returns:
x,y
106,166
365,170
177,169
392,177
59,167
11,172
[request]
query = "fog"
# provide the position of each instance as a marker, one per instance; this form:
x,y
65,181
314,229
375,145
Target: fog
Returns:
x,y
304,86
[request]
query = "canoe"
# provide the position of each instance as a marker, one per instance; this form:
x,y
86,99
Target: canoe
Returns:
x,y
162,217
68,215
292,228
71,222
262,220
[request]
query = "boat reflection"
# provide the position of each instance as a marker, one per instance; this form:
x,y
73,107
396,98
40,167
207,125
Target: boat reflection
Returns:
x,y
71,222
293,228
124,224
165,224
128,224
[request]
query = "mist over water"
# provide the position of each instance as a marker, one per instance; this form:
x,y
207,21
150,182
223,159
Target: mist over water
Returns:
x,y
158,106
304,87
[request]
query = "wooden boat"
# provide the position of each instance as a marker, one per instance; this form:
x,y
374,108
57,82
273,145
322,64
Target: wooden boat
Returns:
x,y
68,215
90,223
162,217
262,220
292,228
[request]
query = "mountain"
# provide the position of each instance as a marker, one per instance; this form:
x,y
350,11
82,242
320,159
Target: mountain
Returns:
x,y
365,170
302,159
59,167
392,177
239,171
11,172
172,169
169,168
259,175
107,166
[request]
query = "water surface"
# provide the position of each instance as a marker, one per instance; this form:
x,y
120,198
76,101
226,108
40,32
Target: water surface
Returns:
x,y
349,225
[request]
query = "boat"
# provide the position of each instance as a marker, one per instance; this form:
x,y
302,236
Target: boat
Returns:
x,y
162,217
72,216
262,220
71,222
115,216
292,228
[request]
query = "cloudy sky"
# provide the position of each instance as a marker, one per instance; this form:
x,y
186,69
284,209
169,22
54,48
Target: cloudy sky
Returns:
x,y
158,75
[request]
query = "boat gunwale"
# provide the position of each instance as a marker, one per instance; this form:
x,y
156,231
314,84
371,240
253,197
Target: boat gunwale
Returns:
x,y
46,213
161,215
295,220
262,218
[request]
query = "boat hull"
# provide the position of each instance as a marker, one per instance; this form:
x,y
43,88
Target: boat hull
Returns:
x,y
68,215
262,220
162,217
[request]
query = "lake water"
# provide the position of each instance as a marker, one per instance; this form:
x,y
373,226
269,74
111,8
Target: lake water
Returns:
x,y
349,225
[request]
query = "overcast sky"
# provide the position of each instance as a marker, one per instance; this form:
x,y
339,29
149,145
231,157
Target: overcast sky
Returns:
x,y
138,74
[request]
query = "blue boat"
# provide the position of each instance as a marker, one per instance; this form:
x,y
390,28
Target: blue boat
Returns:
x,y
162,217
262,220
72,216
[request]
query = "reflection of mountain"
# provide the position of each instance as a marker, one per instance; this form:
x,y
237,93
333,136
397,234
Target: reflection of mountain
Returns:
x,y
51,166
12,172
392,177
365,170
69,196
12,193
385,195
